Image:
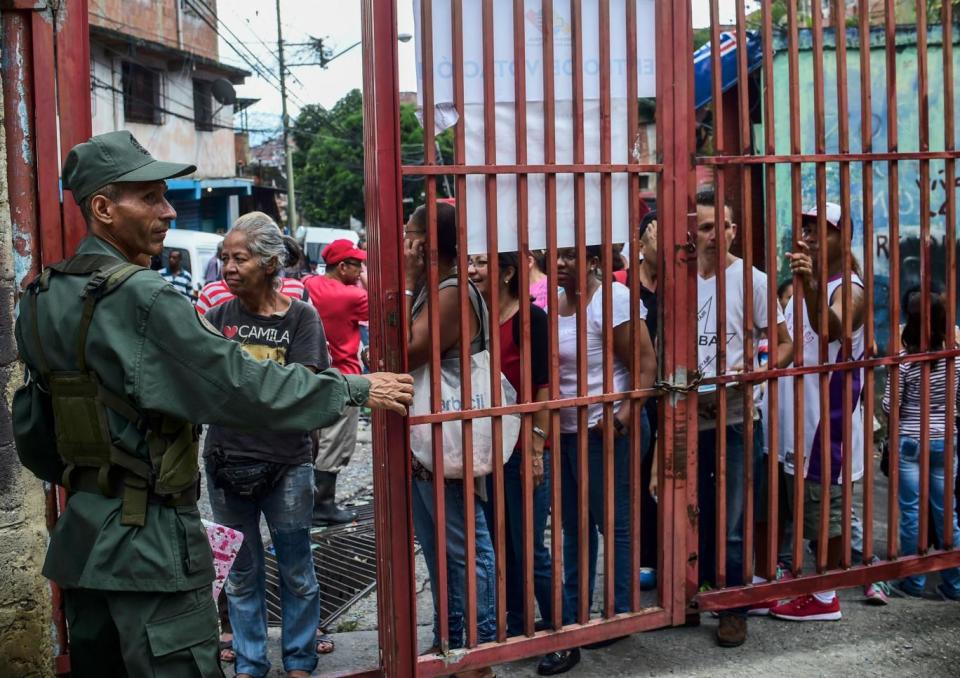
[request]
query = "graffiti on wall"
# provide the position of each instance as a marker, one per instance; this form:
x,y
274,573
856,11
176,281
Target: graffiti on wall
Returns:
x,y
908,172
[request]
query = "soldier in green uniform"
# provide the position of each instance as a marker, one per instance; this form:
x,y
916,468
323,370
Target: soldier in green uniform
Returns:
x,y
119,369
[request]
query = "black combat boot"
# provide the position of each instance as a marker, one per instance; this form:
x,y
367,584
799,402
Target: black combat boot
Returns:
x,y
325,509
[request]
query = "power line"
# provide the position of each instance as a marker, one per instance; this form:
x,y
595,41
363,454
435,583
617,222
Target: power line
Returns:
x,y
97,83
272,83
216,16
203,17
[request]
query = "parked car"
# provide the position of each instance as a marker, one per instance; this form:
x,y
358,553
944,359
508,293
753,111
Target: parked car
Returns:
x,y
197,248
315,239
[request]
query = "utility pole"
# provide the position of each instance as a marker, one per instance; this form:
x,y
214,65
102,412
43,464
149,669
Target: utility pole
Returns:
x,y
288,151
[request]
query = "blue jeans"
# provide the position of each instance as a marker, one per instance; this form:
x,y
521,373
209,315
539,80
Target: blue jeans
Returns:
x,y
424,527
910,507
624,575
288,510
707,498
514,541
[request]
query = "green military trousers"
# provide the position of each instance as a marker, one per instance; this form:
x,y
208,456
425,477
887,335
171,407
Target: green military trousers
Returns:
x,y
142,634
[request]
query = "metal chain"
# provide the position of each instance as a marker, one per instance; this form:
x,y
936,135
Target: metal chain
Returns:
x,y
670,387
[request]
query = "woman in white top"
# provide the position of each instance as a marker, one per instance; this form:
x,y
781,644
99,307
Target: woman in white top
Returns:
x,y
569,426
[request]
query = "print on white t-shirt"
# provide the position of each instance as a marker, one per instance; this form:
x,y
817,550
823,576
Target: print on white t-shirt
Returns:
x,y
707,339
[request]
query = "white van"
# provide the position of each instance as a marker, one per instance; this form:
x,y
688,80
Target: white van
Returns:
x,y
196,247
315,239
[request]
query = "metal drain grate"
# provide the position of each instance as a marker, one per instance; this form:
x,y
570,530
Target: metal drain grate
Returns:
x,y
344,558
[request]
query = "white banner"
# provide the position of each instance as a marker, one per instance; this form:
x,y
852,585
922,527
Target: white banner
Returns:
x,y
504,126
503,60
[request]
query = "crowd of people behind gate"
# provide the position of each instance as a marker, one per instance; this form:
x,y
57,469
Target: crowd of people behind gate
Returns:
x,y
341,304
281,427
771,340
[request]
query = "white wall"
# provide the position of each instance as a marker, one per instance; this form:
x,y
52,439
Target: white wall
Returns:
x,y
175,139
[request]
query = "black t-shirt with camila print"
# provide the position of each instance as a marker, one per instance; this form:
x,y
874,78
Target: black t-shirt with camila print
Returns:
x,y
293,337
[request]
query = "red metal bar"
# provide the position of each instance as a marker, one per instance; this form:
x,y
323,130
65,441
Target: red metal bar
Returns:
x,y
72,49
771,537
466,336
579,193
866,141
606,288
636,433
433,310
45,130
559,168
543,642
523,274
550,191
798,292
846,294
822,322
720,278
949,447
866,156
923,129
893,191
20,143
493,272
677,468
835,579
396,608
748,330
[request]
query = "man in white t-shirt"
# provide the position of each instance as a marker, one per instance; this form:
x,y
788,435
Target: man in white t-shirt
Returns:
x,y
732,629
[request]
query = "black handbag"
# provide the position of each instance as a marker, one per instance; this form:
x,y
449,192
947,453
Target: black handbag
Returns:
x,y
245,477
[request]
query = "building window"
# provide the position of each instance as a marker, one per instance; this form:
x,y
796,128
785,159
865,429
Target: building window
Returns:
x,y
203,105
141,94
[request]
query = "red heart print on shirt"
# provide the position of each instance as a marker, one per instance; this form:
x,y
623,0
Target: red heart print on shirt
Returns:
x,y
230,331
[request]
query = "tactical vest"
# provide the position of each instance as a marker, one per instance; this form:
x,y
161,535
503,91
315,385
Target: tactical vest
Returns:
x,y
80,403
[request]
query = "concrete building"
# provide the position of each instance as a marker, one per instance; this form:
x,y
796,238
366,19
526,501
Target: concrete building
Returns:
x,y
155,70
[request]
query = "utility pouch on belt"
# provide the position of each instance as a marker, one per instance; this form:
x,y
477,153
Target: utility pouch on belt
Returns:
x,y
80,402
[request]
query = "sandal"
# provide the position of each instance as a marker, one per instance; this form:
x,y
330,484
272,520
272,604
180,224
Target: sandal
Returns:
x,y
325,644
227,655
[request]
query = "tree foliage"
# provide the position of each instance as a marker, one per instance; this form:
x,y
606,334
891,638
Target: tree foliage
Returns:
x,y
328,162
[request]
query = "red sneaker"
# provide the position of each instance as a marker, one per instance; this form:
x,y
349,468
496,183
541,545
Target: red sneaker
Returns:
x,y
807,608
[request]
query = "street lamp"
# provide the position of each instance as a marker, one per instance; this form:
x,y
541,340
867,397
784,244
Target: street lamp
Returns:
x,y
326,55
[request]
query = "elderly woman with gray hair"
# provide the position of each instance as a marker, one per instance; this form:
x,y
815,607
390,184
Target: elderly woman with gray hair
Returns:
x,y
257,472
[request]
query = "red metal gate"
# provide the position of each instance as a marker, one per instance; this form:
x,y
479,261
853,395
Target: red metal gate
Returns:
x,y
732,162
46,97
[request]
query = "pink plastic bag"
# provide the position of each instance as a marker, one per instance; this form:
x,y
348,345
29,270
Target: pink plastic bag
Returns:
x,y
225,543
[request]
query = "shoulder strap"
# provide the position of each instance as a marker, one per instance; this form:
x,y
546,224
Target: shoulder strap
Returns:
x,y
103,282
80,264
483,314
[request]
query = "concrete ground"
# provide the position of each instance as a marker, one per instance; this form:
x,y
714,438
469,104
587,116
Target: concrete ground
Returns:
x,y
909,637
906,638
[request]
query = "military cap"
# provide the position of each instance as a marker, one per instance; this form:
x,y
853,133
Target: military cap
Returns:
x,y
114,157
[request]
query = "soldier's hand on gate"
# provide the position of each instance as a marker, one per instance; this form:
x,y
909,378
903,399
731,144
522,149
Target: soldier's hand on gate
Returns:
x,y
390,391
